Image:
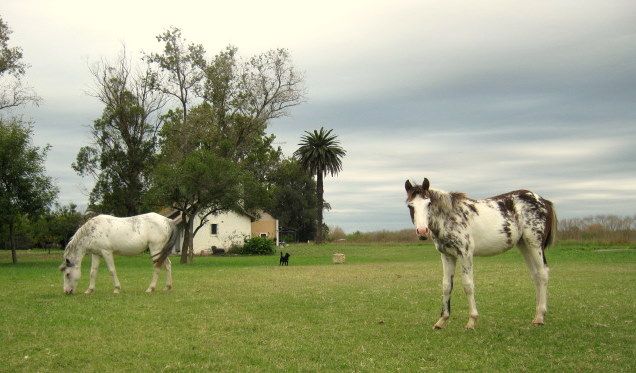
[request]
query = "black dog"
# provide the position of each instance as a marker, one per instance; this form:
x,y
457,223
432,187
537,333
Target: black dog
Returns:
x,y
284,259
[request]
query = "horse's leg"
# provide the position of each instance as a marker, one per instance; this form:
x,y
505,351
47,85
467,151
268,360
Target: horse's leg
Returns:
x,y
539,272
94,268
469,289
448,265
168,266
110,263
155,277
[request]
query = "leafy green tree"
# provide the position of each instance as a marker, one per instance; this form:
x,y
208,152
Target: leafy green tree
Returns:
x,y
320,153
294,199
198,184
40,230
22,234
13,92
25,189
56,227
211,180
66,220
124,137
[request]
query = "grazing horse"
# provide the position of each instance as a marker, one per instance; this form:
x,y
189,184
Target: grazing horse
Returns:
x,y
462,227
105,235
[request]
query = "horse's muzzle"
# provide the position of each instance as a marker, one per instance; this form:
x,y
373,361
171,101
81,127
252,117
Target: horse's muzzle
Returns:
x,y
422,232
68,291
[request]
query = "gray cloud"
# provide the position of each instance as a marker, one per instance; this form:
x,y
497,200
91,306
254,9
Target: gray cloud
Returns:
x,y
479,97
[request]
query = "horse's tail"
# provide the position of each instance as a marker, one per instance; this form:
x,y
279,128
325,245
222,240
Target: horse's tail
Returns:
x,y
550,229
169,246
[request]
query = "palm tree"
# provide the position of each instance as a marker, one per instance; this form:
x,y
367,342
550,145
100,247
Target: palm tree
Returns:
x,y
319,153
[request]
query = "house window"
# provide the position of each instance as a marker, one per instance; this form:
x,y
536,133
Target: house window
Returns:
x,y
264,235
214,229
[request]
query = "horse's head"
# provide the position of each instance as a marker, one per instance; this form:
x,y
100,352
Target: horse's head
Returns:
x,y
71,274
418,201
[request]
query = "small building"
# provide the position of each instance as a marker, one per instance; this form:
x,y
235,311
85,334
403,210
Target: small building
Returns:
x,y
266,226
227,229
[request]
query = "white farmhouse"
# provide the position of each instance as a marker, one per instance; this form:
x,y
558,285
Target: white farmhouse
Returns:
x,y
222,231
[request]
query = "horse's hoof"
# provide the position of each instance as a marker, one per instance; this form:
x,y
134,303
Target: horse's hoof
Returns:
x,y
470,325
537,322
150,290
168,288
89,291
116,291
440,324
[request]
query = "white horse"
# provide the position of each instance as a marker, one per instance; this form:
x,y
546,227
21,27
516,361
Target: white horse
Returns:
x,y
462,227
105,235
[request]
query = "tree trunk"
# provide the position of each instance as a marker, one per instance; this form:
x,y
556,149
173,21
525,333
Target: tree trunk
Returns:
x,y
186,238
191,239
14,255
319,194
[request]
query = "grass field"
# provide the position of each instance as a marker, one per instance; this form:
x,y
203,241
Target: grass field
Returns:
x,y
373,313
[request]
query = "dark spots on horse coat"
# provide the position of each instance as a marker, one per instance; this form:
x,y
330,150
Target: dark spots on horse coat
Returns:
x,y
508,232
506,206
447,307
471,207
450,245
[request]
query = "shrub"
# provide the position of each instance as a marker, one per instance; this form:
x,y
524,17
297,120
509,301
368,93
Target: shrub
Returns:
x,y
404,235
258,246
336,233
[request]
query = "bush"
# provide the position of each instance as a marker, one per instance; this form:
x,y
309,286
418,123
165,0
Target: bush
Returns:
x,y
336,233
258,246
404,235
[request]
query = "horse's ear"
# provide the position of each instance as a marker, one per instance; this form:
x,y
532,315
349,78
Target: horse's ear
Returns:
x,y
425,184
408,186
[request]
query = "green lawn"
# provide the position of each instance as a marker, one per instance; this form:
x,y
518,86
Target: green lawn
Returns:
x,y
373,313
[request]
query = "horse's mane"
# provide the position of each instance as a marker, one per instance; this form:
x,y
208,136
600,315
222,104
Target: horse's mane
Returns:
x,y
71,246
446,201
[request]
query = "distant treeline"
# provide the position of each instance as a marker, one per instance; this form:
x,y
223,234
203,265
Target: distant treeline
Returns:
x,y
52,229
598,228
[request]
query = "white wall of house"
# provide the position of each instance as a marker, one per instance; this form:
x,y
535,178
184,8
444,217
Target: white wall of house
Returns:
x,y
231,228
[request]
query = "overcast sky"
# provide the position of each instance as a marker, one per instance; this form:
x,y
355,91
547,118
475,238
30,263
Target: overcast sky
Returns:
x,y
481,97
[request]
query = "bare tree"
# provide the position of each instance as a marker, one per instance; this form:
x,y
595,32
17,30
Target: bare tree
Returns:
x,y
13,91
181,65
246,94
124,137
261,88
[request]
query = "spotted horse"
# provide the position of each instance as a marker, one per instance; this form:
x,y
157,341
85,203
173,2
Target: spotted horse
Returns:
x,y
105,235
462,227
